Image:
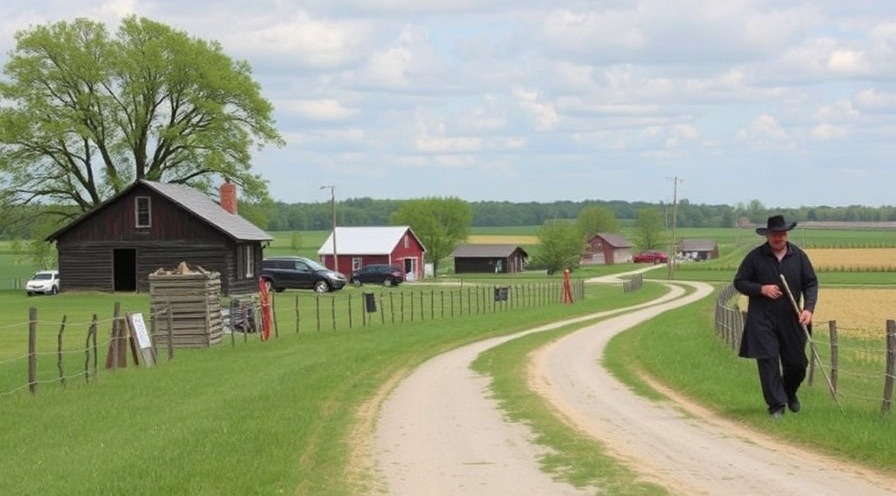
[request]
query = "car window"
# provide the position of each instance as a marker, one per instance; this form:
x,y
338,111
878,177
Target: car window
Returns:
x,y
301,267
314,265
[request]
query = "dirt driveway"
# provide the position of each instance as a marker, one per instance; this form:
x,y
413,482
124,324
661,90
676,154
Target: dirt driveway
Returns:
x,y
439,433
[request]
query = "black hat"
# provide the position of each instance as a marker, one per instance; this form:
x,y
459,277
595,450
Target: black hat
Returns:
x,y
776,223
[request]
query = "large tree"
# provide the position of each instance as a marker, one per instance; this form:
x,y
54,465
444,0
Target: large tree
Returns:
x,y
596,219
560,246
649,230
84,114
440,223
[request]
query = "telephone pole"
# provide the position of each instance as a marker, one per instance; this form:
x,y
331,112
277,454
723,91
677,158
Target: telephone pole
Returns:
x,y
333,207
673,249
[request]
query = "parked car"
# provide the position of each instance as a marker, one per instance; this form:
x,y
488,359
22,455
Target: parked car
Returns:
x,y
651,256
387,275
44,282
290,272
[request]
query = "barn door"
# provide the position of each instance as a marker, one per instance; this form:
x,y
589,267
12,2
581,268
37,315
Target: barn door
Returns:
x,y
124,269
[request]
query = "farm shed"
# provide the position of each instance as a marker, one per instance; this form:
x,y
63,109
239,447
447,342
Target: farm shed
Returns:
x,y
151,225
607,249
490,259
357,247
698,249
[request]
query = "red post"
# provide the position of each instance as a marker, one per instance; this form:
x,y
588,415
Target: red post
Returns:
x,y
567,291
265,297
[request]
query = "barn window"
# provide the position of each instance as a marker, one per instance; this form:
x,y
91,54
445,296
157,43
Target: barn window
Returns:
x,y
142,206
356,263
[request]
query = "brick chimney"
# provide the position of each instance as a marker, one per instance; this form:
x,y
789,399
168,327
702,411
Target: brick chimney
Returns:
x,y
228,196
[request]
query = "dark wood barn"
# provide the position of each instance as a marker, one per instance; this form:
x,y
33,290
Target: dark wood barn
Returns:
x,y
360,246
152,225
607,249
491,259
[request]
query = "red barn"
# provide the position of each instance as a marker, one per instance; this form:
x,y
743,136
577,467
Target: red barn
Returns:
x,y
607,249
356,247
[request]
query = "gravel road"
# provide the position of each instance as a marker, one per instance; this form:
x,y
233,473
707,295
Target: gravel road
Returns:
x,y
438,432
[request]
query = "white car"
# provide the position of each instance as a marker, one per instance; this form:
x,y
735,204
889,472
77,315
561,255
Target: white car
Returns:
x,y
43,281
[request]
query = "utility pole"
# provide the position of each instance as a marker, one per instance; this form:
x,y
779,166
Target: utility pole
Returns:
x,y
673,255
333,207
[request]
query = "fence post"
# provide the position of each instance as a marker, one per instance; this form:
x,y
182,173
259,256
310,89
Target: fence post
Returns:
x,y
170,329
59,355
890,368
835,353
32,350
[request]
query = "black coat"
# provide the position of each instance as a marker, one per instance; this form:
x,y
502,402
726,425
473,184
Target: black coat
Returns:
x,y
773,324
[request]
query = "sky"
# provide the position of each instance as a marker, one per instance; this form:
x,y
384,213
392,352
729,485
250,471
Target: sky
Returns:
x,y
791,103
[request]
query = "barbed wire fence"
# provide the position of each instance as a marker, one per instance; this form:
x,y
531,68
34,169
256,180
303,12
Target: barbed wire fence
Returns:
x,y
857,366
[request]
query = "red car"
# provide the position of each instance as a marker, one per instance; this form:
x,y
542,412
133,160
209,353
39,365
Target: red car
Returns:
x,y
651,256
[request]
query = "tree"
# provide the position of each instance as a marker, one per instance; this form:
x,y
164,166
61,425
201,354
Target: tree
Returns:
x,y
83,115
649,228
560,246
440,223
594,219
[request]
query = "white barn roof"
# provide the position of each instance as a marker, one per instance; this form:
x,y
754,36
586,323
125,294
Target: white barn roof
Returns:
x,y
373,240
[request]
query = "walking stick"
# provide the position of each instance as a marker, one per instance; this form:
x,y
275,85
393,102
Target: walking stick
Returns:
x,y
796,308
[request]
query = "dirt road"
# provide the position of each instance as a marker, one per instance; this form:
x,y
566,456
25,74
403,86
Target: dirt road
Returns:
x,y
439,433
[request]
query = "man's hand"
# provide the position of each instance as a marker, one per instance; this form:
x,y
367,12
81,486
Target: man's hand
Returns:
x,y
805,317
771,291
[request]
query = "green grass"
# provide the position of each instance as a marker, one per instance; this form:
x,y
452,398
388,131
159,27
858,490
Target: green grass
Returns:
x,y
255,418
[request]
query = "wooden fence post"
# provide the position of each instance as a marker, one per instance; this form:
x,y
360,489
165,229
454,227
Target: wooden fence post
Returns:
x,y
890,368
170,329
59,354
835,354
298,314
32,350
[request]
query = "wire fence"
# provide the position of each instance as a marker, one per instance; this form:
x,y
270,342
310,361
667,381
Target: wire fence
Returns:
x,y
857,368
60,352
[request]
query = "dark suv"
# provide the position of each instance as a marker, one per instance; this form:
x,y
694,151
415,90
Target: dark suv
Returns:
x,y
282,273
387,275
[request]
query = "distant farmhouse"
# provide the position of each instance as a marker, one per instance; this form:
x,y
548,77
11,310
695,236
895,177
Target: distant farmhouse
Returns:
x,y
607,249
152,225
491,259
698,249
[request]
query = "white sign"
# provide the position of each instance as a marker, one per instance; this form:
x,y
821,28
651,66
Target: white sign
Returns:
x,y
140,330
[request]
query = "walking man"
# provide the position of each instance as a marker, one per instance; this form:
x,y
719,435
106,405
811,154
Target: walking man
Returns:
x,y
772,333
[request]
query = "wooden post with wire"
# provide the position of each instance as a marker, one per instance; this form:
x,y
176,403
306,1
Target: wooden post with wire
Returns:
x,y
815,356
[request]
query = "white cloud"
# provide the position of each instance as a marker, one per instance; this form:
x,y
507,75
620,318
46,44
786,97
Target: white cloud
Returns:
x,y
368,88
544,113
764,131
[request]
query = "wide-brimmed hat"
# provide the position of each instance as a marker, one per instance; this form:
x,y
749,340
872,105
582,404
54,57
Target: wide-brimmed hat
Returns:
x,y
776,223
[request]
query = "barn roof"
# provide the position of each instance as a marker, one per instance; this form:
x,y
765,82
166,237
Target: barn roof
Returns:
x,y
195,202
615,240
486,251
697,245
366,240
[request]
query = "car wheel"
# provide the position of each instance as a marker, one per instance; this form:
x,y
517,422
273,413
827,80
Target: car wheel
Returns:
x,y
54,290
29,293
356,282
321,287
387,282
269,285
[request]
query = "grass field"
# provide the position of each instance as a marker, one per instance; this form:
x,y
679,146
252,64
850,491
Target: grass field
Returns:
x,y
277,417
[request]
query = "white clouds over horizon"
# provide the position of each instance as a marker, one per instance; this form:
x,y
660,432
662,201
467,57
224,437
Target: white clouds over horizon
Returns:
x,y
543,101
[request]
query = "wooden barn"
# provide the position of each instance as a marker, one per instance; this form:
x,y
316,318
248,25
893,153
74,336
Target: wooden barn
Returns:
x,y
152,225
356,247
698,249
607,249
491,259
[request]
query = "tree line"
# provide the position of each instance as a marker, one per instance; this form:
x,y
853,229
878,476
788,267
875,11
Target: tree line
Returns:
x,y
318,216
